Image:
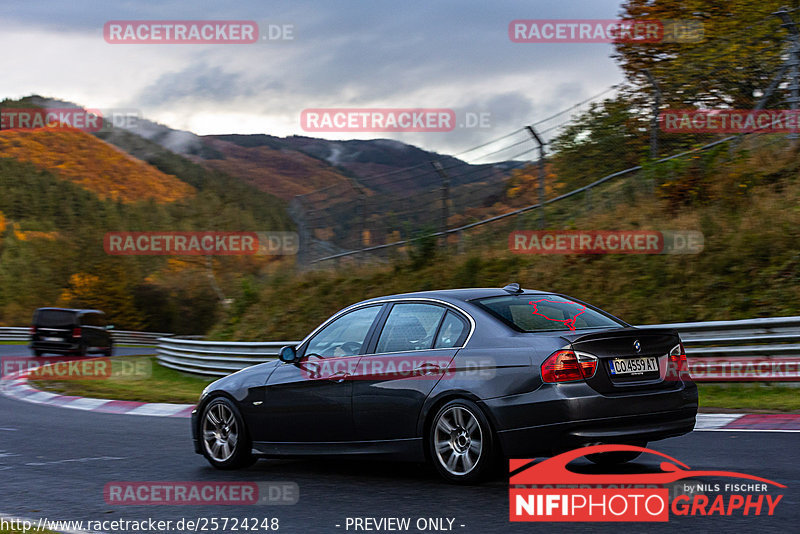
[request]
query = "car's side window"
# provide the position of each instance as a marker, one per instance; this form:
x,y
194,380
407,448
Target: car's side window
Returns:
x,y
452,332
410,326
345,336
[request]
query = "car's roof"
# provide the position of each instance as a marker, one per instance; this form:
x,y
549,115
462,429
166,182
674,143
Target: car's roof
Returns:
x,y
76,310
462,294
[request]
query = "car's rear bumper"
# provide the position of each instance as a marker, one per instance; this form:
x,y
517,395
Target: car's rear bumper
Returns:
x,y
559,417
55,346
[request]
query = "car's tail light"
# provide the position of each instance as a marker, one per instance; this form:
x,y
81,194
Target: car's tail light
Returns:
x,y
567,366
678,363
76,332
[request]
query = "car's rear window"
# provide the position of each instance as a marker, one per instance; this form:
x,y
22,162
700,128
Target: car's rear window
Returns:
x,y
54,318
536,313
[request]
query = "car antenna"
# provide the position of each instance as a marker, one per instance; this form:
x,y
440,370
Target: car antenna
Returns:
x,y
513,288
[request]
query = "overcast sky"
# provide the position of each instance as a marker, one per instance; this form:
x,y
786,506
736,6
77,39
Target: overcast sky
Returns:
x,y
344,53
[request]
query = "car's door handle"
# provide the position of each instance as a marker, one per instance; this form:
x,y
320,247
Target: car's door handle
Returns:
x,y
428,368
339,377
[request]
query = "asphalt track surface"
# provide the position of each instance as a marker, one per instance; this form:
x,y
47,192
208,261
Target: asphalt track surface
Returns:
x,y
55,462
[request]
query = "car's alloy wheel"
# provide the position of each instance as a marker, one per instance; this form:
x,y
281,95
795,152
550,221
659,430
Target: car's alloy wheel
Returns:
x,y
224,437
461,444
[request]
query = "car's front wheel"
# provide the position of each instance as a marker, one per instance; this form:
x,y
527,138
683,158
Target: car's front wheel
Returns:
x,y
461,443
226,444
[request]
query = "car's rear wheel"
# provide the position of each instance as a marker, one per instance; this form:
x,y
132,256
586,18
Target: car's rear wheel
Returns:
x,y
37,353
109,352
226,444
461,443
617,457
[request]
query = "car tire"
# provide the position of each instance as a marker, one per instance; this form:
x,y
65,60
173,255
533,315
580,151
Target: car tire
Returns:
x,y
37,353
220,422
110,351
461,444
615,458
83,349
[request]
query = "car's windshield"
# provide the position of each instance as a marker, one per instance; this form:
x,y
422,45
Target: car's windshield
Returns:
x,y
534,313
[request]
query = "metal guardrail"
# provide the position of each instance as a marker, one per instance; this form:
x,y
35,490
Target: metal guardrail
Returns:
x,y
771,336
15,333
120,337
129,337
215,358
749,350
775,340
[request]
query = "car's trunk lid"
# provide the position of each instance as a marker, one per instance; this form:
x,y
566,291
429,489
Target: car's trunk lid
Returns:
x,y
627,357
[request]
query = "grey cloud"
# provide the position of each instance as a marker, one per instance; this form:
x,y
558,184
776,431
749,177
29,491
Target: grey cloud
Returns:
x,y
354,53
198,81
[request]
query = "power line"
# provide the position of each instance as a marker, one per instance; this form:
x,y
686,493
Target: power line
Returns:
x,y
488,143
574,106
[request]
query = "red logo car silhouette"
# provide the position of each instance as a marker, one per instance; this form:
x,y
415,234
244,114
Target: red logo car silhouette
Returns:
x,y
554,470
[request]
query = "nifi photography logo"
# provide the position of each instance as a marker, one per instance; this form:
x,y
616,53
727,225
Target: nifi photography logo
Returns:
x,y
550,491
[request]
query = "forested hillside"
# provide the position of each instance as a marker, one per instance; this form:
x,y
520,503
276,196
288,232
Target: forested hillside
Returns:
x,y
62,190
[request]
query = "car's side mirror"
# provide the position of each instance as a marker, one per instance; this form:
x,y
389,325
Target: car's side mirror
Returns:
x,y
110,327
287,355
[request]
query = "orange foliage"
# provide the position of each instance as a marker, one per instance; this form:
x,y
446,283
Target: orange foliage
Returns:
x,y
81,286
324,234
31,234
92,164
283,173
524,183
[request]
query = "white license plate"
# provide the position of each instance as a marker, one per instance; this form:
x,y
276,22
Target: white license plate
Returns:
x,y
633,366
53,339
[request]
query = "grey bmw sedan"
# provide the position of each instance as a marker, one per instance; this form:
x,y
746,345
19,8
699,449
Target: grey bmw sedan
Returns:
x,y
459,378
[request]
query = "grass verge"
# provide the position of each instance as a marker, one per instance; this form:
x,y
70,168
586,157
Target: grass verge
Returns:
x,y
156,384
749,397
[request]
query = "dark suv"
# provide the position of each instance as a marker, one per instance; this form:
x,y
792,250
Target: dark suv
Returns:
x,y
69,331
